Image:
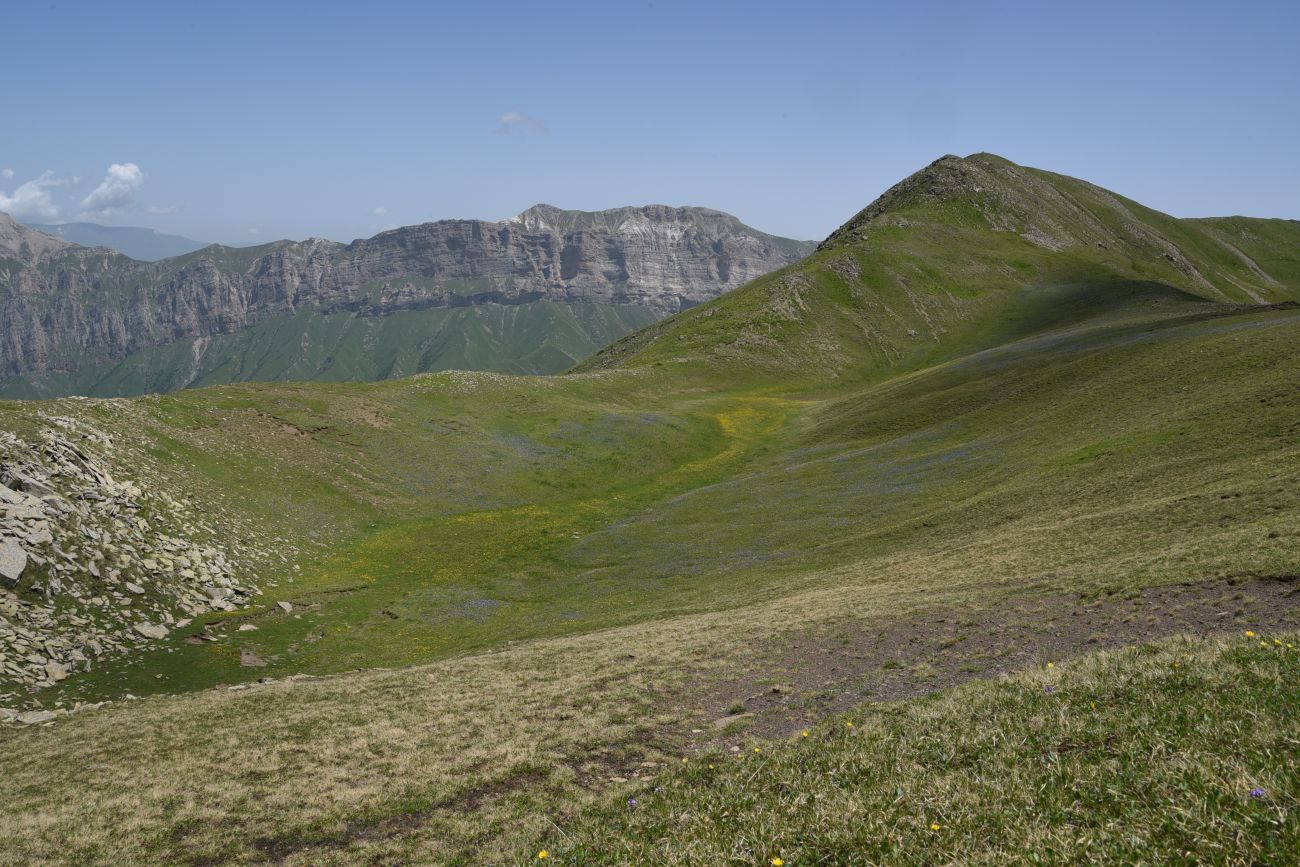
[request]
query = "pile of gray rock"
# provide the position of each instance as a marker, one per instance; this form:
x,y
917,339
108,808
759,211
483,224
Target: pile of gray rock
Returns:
x,y
92,566
41,716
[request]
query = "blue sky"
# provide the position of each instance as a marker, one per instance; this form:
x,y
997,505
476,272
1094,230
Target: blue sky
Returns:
x,y
242,122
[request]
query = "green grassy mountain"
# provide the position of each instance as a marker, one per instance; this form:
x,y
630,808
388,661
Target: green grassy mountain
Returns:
x,y
964,254
539,337
968,436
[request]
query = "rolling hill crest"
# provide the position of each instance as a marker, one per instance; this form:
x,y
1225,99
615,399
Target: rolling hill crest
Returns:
x,y
965,253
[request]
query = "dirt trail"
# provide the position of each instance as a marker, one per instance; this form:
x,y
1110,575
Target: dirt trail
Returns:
x,y
797,682
790,684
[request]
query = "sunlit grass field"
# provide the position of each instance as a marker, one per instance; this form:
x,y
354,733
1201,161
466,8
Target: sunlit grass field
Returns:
x,y
1176,752
740,518
511,600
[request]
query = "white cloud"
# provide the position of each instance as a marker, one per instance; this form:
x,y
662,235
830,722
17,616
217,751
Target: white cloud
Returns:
x,y
32,200
379,212
6,173
513,121
117,191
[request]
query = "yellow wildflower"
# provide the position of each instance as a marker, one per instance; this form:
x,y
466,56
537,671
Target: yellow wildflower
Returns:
x,y
805,733
1249,634
1277,642
777,862
1051,665
543,855
758,749
935,826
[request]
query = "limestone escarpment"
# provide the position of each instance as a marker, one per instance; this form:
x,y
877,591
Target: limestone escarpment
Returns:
x,y
64,306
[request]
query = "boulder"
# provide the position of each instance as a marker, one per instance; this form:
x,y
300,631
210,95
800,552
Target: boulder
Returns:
x,y
36,717
13,560
151,630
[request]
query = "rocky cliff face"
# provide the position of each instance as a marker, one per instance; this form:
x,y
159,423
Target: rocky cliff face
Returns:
x,y
64,306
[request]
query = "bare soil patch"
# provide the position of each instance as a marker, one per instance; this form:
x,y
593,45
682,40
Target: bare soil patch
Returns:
x,y
796,682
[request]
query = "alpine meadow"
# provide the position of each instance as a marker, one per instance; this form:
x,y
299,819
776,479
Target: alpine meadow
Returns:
x,y
793,572
619,531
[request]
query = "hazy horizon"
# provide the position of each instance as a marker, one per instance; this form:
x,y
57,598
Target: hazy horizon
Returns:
x,y
324,123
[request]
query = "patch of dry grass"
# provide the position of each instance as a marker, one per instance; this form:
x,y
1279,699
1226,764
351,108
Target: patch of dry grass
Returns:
x,y
1176,752
462,759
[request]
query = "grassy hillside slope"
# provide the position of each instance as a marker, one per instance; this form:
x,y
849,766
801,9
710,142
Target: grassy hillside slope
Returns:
x,y
987,479
1026,770
546,583
540,337
965,254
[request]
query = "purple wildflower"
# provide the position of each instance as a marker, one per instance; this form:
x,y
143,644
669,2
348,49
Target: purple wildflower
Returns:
x,y
658,789
1257,792
631,802
1049,688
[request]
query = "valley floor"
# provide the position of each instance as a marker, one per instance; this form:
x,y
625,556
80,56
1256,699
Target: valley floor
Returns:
x,y
559,589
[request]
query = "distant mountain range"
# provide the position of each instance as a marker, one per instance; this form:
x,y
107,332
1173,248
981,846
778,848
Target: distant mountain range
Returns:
x,y
137,242
532,294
